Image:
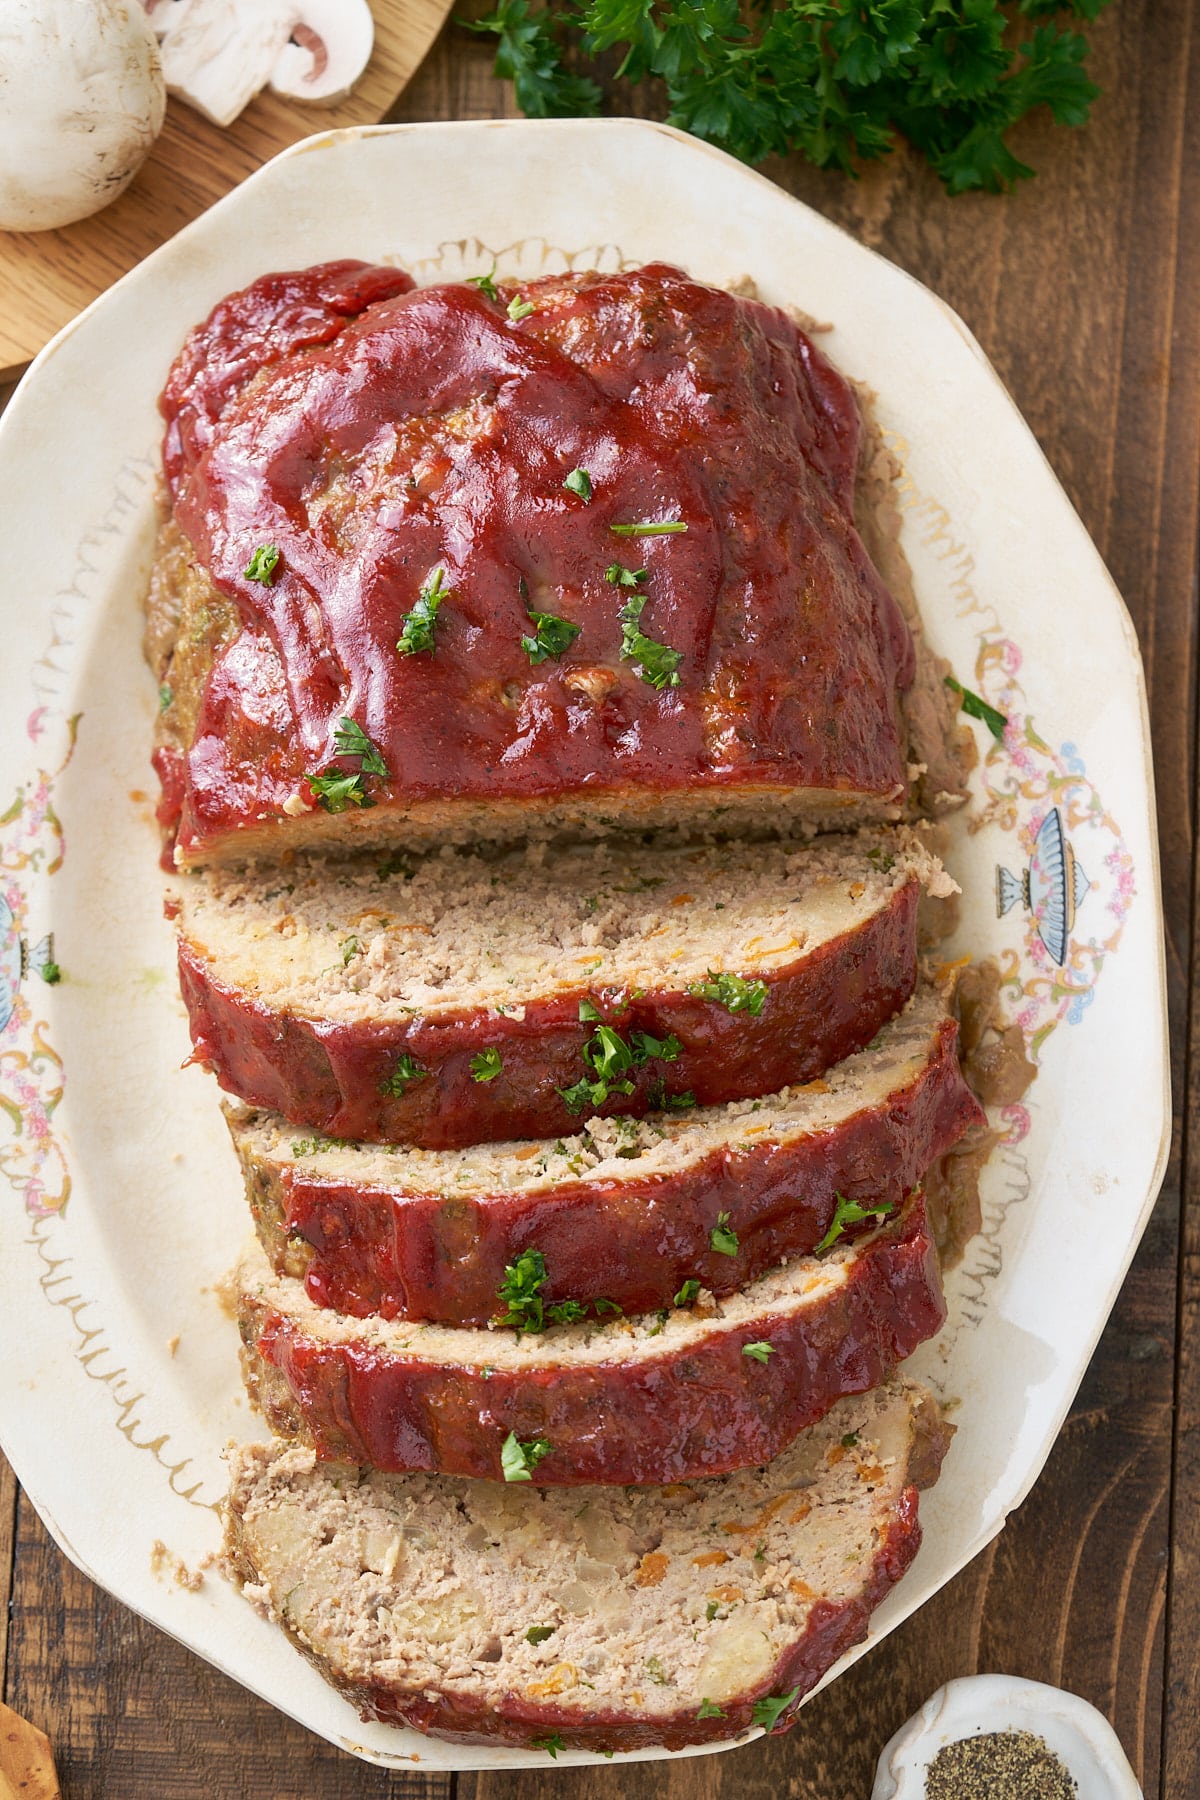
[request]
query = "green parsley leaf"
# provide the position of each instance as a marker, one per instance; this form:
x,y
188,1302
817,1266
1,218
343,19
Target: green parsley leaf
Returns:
x,y
766,1712
350,948
849,1212
485,283
395,864
607,1306
710,1613
655,1671
620,576
262,564
552,636
520,1292
406,1072
850,1441
487,1065
649,528
708,1708
722,1237
537,1634
976,708
733,992
335,792
566,1312
518,1461
760,1352
528,55
880,859
652,1049
520,309
350,739
589,1013
552,1744
656,663
165,697
417,632
687,1292
579,482
760,1552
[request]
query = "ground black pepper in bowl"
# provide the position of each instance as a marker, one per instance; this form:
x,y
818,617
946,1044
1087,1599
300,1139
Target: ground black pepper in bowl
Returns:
x,y
999,1765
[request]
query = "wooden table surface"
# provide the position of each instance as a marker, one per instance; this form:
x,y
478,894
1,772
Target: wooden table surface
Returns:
x,y
1084,288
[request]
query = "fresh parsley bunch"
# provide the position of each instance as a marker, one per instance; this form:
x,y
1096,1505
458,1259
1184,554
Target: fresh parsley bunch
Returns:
x,y
832,79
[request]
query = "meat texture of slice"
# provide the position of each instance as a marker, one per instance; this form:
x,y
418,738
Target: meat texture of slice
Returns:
x,y
601,1619
700,1389
624,1211
475,559
483,998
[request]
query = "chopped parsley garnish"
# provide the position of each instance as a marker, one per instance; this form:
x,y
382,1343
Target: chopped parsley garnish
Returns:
x,y
850,1441
760,1352
336,792
733,992
551,636
537,1634
606,1306
487,1065
687,1293
610,1059
881,859
977,708
766,1712
350,948
620,576
849,1212
262,564
760,1552
406,1072
417,632
589,1013
655,1671
518,1461
722,1237
520,1292
656,663
51,974
710,1613
396,864
165,697
709,1708
658,1099
485,283
579,482
349,739
552,1744
520,309
648,528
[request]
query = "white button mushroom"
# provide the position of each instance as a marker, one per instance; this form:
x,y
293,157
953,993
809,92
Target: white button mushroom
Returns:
x,y
217,54
81,103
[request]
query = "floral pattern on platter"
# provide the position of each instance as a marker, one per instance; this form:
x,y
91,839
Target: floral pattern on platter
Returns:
x,y
32,1159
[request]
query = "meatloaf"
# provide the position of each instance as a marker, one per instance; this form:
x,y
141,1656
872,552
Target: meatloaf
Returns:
x,y
699,1389
624,1209
476,559
483,998
601,1619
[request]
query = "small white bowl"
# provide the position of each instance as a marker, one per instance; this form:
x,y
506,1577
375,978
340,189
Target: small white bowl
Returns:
x,y
1080,1737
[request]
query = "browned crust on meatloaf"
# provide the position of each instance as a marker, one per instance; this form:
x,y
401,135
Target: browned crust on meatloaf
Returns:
x,y
334,1078
700,1406
404,1252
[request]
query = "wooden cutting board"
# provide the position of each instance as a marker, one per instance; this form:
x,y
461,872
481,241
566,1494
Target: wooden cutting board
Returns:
x,y
46,277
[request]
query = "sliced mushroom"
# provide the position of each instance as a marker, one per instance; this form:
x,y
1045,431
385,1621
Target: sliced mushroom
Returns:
x,y
330,46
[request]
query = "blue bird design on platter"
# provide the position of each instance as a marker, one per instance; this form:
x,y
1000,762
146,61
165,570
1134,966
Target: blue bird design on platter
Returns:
x,y
1051,888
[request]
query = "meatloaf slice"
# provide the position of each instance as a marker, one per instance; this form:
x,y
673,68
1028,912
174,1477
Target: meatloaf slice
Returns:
x,y
622,1210
601,1619
482,998
569,554
699,1389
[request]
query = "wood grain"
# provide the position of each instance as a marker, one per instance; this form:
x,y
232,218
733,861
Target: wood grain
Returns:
x,y
1082,288
46,277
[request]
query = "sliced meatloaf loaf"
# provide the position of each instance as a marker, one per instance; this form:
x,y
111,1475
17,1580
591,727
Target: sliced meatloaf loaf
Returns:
x,y
601,1619
473,559
699,1389
486,998
625,1209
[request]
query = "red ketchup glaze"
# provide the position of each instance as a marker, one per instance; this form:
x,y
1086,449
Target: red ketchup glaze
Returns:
x,y
443,1257
375,440
831,1628
332,1077
706,1410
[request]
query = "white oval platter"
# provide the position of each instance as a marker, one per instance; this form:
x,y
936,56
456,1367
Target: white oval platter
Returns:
x,y
120,1204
